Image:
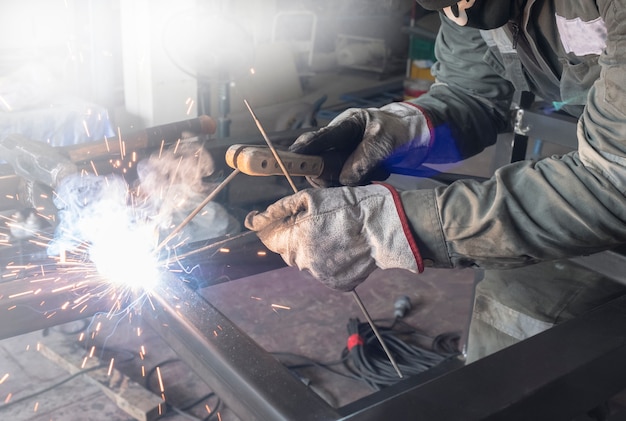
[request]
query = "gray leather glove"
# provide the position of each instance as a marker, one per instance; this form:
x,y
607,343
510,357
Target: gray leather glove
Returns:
x,y
368,141
340,235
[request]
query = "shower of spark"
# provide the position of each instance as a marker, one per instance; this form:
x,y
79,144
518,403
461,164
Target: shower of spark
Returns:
x,y
103,255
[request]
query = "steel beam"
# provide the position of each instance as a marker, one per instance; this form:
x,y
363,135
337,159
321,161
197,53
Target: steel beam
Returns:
x,y
251,382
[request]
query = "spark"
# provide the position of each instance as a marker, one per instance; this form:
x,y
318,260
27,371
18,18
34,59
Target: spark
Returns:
x,y
161,387
115,261
161,148
111,367
36,406
8,398
190,107
21,294
119,137
64,288
278,306
6,104
86,128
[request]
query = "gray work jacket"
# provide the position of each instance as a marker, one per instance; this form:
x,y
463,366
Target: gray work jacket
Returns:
x,y
572,52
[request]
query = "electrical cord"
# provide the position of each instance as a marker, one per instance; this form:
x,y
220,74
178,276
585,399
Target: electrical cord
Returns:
x,y
365,358
50,387
183,410
65,380
309,362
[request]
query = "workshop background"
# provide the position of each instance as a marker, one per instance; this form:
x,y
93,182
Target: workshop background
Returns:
x,y
74,72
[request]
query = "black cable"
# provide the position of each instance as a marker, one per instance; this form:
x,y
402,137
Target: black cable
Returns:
x,y
67,379
51,387
309,362
183,409
367,362
365,358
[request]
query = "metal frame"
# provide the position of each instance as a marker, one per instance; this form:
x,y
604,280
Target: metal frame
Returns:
x,y
558,374
555,375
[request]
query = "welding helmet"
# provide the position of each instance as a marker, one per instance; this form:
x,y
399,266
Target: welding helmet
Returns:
x,y
481,14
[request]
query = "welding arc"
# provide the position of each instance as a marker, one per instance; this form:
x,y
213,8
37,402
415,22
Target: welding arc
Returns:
x,y
354,293
197,210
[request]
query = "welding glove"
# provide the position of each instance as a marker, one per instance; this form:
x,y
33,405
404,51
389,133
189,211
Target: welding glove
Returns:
x,y
366,142
340,235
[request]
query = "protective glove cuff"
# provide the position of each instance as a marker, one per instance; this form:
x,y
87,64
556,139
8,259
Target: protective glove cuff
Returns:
x,y
340,235
406,226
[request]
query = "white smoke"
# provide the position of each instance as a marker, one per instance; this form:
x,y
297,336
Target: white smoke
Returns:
x,y
119,226
173,183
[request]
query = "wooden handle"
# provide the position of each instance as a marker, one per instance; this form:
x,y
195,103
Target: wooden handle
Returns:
x,y
259,161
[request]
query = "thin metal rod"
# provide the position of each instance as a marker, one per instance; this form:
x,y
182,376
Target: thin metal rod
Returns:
x,y
376,332
197,210
271,146
354,294
211,246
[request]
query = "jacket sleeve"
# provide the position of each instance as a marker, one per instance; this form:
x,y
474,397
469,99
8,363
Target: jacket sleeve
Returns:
x,y
468,105
555,208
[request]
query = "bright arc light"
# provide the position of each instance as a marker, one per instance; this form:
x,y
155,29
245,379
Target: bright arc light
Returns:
x,y
127,258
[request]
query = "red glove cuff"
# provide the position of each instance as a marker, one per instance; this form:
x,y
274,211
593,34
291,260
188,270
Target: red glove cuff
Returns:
x,y
406,227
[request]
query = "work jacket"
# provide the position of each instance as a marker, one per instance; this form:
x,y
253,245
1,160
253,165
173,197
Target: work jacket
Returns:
x,y
571,53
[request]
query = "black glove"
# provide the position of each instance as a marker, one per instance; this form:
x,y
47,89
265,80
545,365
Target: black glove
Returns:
x,y
366,142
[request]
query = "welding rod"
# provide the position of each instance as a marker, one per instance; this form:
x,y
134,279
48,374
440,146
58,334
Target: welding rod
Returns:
x,y
197,210
271,146
376,332
218,243
354,293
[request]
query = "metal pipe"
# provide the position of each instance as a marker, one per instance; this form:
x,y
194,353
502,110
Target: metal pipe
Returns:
x,y
148,138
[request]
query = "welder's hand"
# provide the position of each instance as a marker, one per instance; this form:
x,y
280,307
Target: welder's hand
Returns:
x,y
340,235
367,141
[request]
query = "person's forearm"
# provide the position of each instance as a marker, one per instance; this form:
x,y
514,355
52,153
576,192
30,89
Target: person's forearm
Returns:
x,y
469,103
528,212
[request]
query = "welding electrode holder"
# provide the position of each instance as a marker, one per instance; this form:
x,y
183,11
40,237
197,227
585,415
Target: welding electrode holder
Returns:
x,y
257,160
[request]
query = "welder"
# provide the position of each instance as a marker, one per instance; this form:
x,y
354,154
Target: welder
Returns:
x,y
522,224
